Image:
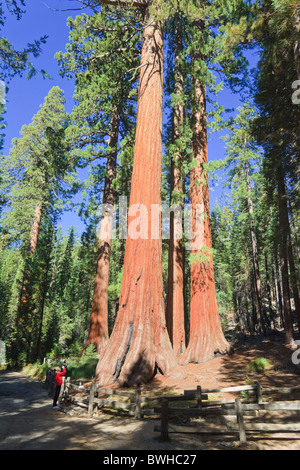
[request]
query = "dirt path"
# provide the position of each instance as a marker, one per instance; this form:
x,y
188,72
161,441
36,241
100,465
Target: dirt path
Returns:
x,y
27,421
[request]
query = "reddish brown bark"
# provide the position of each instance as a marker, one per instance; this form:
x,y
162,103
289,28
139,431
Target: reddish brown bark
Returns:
x,y
206,336
139,343
33,240
175,300
35,229
98,331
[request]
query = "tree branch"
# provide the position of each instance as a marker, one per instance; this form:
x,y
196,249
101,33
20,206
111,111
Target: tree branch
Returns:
x,y
134,3
92,4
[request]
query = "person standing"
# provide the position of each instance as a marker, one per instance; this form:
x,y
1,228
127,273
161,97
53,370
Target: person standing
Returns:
x,y
59,380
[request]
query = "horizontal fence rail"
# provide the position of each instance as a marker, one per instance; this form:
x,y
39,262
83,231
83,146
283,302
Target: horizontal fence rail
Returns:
x,y
245,409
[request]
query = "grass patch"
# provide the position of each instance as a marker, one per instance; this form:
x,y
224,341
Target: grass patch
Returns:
x,y
83,368
35,370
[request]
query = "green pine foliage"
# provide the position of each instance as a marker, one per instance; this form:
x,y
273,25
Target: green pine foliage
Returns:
x,y
261,159
17,62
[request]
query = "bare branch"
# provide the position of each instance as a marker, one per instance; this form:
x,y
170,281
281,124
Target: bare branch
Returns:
x,y
92,4
139,67
134,3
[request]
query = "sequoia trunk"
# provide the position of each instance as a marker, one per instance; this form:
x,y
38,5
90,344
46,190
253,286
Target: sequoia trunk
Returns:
x,y
31,249
98,331
206,336
139,343
175,300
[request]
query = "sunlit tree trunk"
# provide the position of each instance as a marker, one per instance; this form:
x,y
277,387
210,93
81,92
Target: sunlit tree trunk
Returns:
x,y
98,331
139,344
175,298
206,336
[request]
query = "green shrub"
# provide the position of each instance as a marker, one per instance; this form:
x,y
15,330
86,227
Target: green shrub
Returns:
x,y
259,364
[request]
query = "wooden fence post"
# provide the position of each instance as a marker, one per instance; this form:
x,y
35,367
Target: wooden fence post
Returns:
x,y
92,398
258,392
67,386
138,408
199,397
62,388
164,420
240,421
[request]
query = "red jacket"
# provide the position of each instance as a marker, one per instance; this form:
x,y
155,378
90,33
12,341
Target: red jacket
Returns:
x,y
59,376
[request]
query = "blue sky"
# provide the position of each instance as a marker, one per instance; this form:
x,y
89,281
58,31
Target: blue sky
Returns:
x,y
25,96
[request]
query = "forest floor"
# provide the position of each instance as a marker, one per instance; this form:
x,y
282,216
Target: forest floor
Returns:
x,y
27,420
233,370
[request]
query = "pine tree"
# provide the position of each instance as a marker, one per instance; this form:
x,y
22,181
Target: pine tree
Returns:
x,y
38,172
277,126
242,155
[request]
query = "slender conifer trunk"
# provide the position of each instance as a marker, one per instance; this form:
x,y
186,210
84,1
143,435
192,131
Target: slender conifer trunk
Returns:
x,y
206,336
98,331
293,277
283,232
261,323
175,298
139,344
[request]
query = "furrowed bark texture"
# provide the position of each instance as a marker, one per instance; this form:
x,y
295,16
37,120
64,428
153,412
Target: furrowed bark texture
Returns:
x,y
175,299
139,343
98,331
206,336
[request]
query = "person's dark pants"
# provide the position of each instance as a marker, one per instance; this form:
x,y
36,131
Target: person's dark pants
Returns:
x,y
56,395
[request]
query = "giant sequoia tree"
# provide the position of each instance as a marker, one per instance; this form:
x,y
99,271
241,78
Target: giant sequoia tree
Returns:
x,y
136,354
139,344
175,299
103,57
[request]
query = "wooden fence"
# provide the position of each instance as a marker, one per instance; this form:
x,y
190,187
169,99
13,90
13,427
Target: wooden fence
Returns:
x,y
94,397
245,410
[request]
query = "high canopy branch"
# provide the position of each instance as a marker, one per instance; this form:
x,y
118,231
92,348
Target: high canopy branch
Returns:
x,y
134,3
93,3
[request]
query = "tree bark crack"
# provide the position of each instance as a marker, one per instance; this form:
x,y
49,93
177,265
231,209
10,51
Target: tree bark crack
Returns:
x,y
120,362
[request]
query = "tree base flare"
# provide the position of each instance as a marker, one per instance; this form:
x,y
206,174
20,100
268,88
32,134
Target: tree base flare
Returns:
x,y
197,352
